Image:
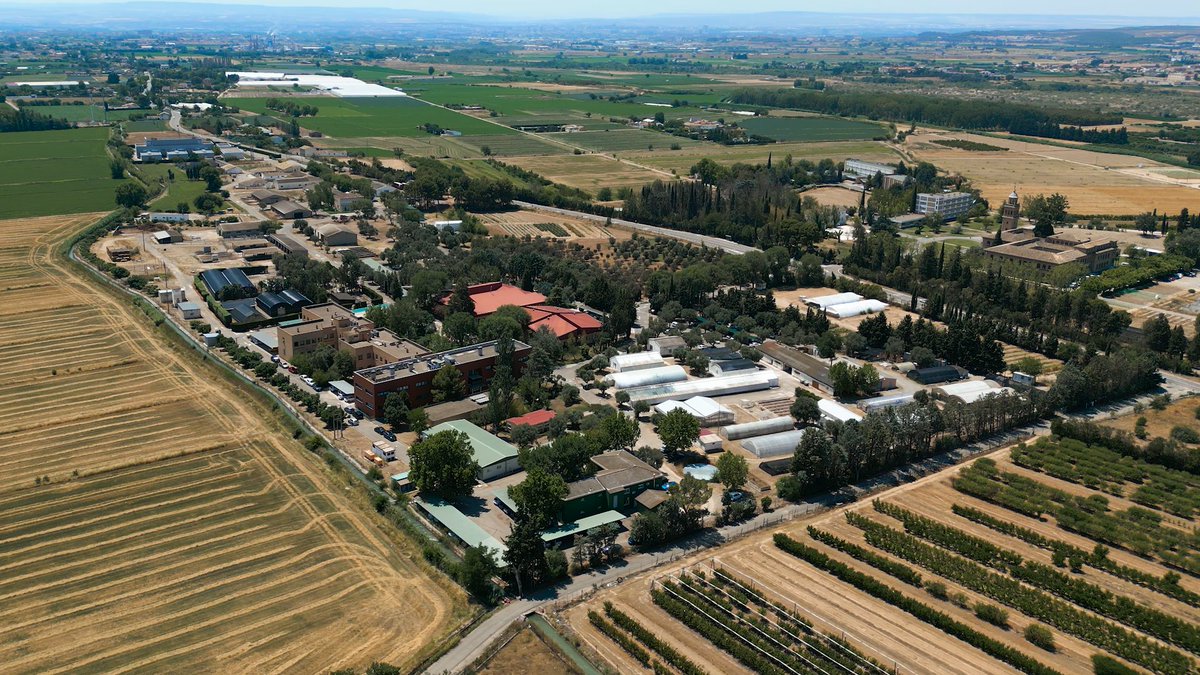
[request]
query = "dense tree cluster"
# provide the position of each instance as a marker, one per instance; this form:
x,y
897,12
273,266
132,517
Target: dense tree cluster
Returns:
x,y
28,120
940,110
966,288
291,107
753,205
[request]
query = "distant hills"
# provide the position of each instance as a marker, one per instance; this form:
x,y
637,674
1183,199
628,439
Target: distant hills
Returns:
x,y
308,19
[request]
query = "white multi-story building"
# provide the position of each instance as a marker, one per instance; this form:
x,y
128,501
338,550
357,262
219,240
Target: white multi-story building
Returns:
x,y
950,204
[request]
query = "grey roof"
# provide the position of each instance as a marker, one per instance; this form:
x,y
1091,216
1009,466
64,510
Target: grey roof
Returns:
x,y
733,365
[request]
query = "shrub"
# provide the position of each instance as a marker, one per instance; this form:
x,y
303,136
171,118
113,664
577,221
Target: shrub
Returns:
x,y
937,589
1185,434
1040,636
1106,665
991,614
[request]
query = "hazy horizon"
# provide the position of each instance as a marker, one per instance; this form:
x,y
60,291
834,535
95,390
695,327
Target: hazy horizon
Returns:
x,y
1166,10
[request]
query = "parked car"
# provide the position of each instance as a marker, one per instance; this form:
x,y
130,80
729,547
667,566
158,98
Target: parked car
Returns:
x,y
736,496
386,434
292,369
351,421
276,359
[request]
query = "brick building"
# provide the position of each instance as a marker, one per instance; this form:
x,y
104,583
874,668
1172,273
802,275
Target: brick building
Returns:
x,y
331,325
414,376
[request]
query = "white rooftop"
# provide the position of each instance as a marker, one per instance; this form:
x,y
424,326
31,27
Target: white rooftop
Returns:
x,y
333,84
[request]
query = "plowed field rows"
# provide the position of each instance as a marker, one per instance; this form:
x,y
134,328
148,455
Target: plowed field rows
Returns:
x,y
152,520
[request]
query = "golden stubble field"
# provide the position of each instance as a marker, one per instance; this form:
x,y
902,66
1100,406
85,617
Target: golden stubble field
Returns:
x,y
877,629
1095,183
152,517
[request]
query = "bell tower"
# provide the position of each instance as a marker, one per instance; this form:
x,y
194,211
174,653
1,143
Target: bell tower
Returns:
x,y
1010,212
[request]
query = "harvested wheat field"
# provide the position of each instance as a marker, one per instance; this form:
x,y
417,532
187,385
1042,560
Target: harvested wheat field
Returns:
x,y
153,517
1095,183
944,575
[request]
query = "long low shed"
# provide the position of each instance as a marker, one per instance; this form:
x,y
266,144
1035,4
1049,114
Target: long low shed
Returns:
x,y
774,445
648,376
826,301
709,386
774,425
836,412
849,309
623,363
885,402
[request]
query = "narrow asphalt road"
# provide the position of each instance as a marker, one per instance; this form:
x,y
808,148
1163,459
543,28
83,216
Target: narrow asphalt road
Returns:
x,y
690,237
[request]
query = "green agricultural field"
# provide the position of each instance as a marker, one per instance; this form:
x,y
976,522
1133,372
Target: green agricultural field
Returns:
x,y
152,124
376,117
622,140
812,128
82,113
517,105
44,173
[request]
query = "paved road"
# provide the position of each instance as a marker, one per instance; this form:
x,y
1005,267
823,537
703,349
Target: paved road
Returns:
x,y
691,238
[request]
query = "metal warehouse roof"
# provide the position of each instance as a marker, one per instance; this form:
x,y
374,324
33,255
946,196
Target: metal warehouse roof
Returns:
x,y
487,448
582,525
462,527
750,380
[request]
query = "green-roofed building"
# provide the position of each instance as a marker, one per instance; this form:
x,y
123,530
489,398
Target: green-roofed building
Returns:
x,y
463,528
496,458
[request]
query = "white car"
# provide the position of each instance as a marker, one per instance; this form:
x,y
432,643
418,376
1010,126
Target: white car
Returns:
x,y
351,421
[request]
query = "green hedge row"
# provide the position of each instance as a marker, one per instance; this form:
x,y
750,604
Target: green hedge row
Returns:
x,y
899,570
632,648
1032,602
935,618
1039,575
666,651
1167,585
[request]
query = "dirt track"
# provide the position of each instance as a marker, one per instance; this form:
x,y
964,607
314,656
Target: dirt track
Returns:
x,y
177,529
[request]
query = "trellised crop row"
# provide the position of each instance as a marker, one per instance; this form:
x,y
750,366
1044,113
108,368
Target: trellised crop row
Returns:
x,y
1167,584
664,650
1032,602
720,635
788,626
1082,593
920,610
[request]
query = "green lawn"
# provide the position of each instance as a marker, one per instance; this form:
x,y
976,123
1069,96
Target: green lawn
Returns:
x,y
395,116
811,128
82,113
45,173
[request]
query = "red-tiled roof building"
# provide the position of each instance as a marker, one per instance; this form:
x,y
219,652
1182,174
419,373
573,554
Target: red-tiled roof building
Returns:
x,y
492,296
564,323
